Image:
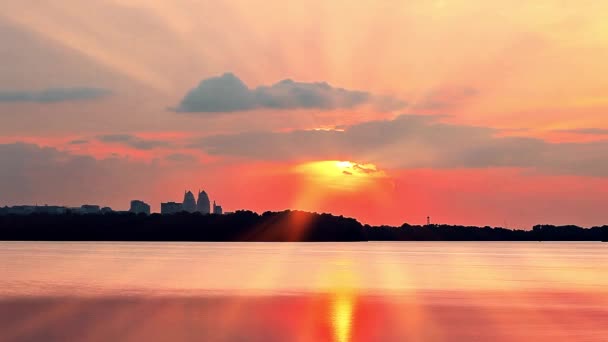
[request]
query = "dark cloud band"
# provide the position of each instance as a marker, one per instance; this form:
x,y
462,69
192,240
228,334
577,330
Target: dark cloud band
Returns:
x,y
411,141
133,141
227,93
53,95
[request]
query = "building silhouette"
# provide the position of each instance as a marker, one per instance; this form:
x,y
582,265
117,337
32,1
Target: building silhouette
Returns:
x,y
51,209
106,210
54,210
170,208
139,207
217,209
90,209
189,203
21,209
34,209
203,204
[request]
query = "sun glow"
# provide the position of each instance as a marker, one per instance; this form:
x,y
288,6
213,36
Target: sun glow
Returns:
x,y
340,175
340,183
344,164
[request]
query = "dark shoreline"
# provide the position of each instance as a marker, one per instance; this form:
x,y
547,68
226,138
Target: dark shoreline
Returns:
x,y
247,226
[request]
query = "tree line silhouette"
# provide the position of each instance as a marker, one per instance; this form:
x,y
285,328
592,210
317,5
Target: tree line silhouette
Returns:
x,y
269,226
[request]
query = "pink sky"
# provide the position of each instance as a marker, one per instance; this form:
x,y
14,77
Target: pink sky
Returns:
x,y
471,112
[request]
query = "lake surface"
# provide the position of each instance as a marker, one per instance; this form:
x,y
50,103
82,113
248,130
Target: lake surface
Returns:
x,y
394,291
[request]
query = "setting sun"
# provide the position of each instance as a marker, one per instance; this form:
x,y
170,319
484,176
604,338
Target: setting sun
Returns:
x,y
341,184
344,164
340,175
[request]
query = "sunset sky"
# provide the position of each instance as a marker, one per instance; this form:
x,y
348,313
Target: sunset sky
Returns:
x,y
471,112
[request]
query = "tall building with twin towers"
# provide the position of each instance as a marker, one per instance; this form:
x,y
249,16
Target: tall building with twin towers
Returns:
x,y
201,205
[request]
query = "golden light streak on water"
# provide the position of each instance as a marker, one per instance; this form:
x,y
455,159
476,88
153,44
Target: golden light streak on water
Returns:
x,y
342,316
342,280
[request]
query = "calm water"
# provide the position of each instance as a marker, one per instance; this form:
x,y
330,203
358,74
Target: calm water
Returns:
x,y
440,291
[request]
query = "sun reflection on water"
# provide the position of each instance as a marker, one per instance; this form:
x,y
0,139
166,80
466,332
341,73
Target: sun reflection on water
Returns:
x,y
341,316
342,298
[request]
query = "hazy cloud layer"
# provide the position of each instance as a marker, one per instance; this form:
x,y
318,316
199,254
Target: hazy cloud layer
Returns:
x,y
133,141
180,157
416,142
52,95
31,173
445,98
586,131
227,93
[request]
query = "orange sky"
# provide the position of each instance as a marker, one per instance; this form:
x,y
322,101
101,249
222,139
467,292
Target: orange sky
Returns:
x,y
506,106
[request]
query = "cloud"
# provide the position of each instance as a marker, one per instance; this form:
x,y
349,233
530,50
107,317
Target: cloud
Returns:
x,y
365,169
411,141
133,141
585,131
227,93
78,142
52,95
180,157
33,173
445,98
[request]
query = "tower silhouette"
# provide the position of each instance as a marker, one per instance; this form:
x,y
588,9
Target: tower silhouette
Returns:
x,y
203,204
189,203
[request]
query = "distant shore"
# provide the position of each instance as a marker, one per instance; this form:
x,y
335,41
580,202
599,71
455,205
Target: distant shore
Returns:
x,y
269,226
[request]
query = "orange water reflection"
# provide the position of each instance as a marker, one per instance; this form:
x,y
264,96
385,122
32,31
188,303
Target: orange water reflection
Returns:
x,y
342,316
303,292
448,316
339,275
